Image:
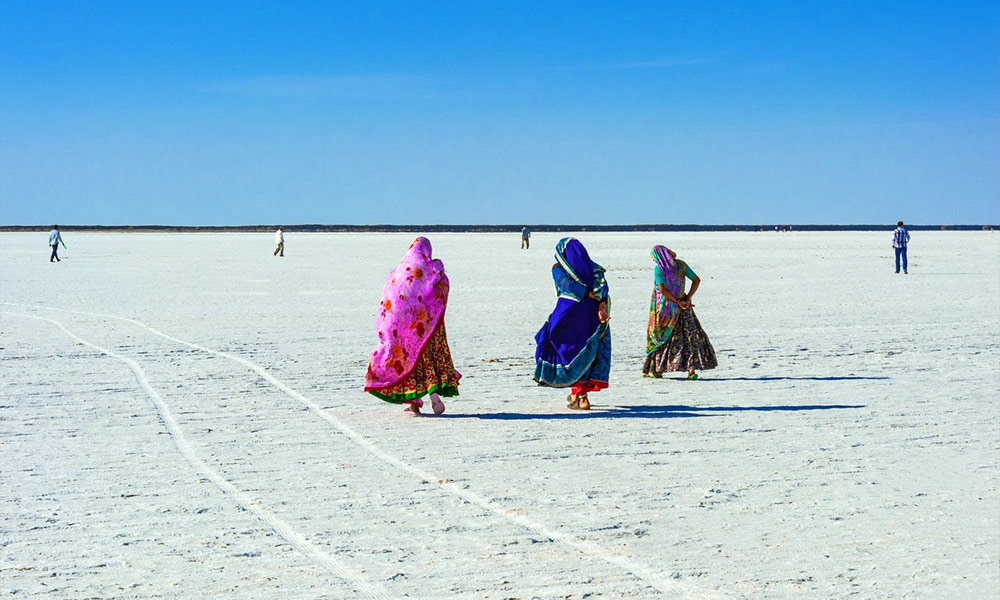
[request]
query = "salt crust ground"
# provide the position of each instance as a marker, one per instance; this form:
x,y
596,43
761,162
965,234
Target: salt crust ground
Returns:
x,y
847,447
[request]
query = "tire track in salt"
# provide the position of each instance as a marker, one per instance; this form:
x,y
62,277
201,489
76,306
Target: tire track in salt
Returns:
x,y
180,441
652,578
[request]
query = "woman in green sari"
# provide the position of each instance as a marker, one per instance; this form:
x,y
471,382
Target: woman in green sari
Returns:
x,y
675,340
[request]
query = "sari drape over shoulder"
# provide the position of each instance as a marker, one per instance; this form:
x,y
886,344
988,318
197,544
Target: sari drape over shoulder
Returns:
x,y
662,312
574,347
411,312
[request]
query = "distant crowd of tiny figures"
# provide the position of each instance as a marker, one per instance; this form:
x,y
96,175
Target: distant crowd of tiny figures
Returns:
x,y
412,359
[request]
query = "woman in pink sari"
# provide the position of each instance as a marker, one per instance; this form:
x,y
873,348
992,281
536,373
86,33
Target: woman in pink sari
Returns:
x,y
412,358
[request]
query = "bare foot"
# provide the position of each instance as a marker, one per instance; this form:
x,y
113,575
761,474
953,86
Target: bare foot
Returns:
x,y
413,408
437,404
584,402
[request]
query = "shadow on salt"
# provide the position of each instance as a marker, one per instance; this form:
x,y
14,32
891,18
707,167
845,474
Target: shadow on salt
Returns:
x,y
648,412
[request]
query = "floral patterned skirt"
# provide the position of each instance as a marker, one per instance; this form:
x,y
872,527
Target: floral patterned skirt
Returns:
x,y
434,373
687,348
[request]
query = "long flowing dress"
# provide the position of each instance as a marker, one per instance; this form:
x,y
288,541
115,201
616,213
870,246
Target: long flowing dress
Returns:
x,y
675,340
412,358
574,347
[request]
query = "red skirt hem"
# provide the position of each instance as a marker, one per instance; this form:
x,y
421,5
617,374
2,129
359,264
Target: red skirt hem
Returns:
x,y
584,387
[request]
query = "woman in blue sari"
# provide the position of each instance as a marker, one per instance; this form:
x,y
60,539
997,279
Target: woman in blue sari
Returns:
x,y
574,345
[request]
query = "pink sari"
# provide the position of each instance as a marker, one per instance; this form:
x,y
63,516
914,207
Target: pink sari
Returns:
x,y
414,299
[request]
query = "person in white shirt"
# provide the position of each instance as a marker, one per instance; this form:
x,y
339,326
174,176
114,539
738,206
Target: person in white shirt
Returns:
x,y
280,239
55,238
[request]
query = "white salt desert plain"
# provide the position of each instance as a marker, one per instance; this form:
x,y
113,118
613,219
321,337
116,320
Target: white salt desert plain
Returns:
x,y
183,417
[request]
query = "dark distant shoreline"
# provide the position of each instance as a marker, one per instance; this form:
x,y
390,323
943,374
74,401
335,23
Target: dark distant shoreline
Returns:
x,y
471,228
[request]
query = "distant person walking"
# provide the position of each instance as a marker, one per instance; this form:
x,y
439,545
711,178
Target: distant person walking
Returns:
x,y
900,238
525,238
279,237
412,358
55,238
574,345
675,340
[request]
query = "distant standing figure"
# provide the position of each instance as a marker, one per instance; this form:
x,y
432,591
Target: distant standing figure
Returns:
x,y
525,238
675,340
900,238
412,358
55,238
574,345
279,237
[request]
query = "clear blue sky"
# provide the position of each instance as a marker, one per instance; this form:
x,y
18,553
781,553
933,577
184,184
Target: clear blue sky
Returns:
x,y
508,112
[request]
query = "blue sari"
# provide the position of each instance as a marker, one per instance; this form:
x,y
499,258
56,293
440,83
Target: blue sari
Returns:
x,y
574,347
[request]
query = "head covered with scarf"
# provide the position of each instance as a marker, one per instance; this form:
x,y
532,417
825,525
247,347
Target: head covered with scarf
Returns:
x,y
667,261
587,275
413,303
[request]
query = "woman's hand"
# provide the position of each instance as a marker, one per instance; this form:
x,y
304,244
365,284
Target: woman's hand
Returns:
x,y
602,313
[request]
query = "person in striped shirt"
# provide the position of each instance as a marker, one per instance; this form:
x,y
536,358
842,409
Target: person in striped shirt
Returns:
x,y
900,238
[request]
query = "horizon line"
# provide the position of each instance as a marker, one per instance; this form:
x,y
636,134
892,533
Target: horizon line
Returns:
x,y
495,228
